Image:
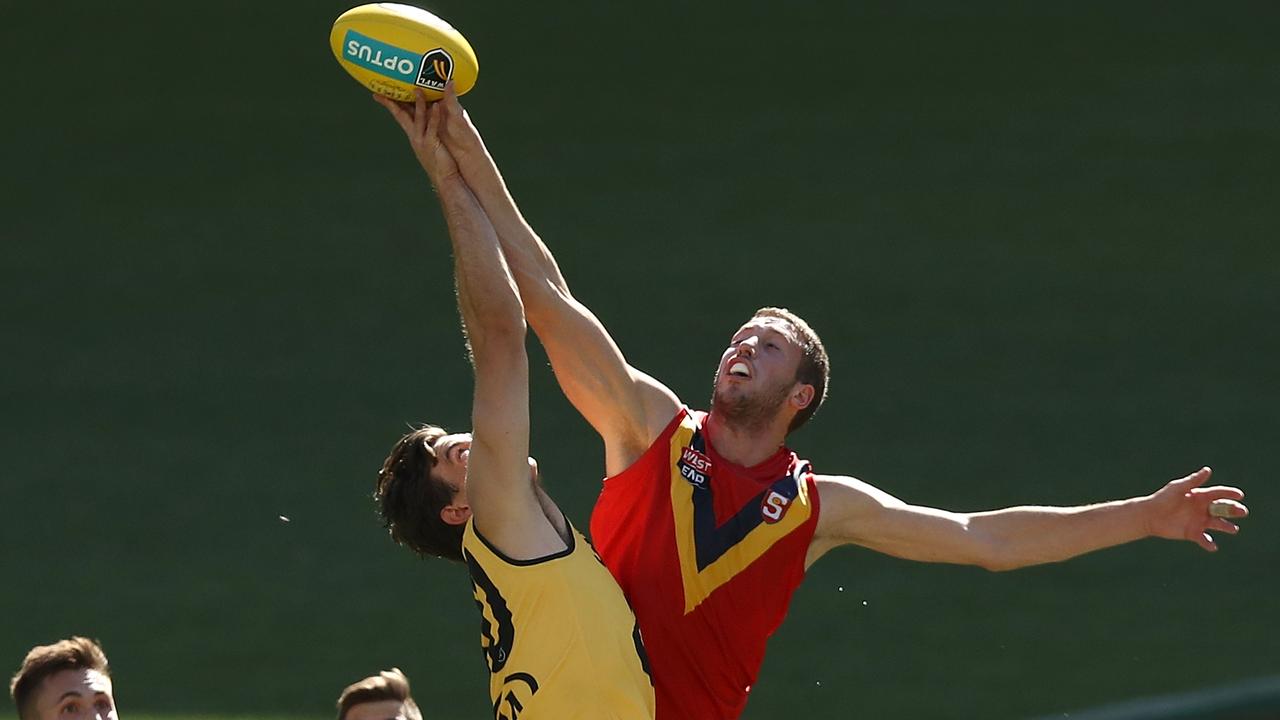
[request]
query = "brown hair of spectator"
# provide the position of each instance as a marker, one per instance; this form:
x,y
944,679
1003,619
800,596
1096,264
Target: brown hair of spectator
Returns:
x,y
386,685
74,653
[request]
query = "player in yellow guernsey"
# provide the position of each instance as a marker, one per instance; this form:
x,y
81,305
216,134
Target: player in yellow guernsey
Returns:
x,y
558,636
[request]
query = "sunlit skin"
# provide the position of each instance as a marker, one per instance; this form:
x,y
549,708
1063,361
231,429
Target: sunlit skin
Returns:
x,y
82,694
766,351
377,710
636,408
452,453
756,393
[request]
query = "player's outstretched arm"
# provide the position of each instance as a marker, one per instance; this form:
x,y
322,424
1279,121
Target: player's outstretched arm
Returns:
x,y
500,490
854,512
627,407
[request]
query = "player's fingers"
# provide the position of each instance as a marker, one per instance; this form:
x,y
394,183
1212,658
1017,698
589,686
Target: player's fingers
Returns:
x,y
397,112
1195,479
432,114
451,98
442,119
419,112
453,118
1220,492
1222,525
1226,507
1205,541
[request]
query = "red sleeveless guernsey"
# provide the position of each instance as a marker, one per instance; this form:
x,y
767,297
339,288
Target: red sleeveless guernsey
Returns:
x,y
709,554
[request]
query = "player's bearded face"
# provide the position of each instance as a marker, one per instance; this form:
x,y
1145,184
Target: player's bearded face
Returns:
x,y
748,409
756,375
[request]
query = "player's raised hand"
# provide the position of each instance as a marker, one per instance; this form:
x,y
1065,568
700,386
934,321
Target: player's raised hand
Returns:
x,y
423,123
460,134
1181,510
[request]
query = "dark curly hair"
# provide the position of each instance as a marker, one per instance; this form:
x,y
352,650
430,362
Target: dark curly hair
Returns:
x,y
410,497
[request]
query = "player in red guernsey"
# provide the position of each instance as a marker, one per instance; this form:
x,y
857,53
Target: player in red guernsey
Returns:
x,y
713,552
708,522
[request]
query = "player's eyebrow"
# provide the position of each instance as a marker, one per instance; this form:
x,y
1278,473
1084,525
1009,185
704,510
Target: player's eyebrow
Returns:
x,y
75,693
775,328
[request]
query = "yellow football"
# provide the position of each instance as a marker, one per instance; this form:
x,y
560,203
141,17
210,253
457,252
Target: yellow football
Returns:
x,y
395,49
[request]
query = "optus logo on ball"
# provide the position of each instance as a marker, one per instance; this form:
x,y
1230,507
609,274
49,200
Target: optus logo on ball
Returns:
x,y
432,69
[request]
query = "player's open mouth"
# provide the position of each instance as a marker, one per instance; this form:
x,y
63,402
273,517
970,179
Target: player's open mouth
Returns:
x,y
455,450
739,368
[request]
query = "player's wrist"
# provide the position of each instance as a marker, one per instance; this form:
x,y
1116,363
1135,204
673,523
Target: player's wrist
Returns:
x,y
446,181
1145,512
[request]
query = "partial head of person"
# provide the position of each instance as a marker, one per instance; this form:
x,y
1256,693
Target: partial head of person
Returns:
x,y
68,680
384,696
421,491
774,369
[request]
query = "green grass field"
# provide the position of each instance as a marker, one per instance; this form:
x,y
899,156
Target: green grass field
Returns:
x,y
1039,243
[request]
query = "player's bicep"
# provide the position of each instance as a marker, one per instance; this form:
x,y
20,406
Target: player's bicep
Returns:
x,y
500,490
855,512
497,469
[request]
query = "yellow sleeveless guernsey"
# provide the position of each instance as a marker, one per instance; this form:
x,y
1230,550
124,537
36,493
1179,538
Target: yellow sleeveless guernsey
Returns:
x,y
560,640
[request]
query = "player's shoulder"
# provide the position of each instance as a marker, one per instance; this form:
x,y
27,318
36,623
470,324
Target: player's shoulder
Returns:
x,y
667,427
844,497
658,401
845,487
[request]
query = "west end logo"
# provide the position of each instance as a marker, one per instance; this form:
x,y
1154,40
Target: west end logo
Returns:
x,y
694,467
435,70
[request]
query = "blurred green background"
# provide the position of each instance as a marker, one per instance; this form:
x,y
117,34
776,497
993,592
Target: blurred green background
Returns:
x,y
1039,241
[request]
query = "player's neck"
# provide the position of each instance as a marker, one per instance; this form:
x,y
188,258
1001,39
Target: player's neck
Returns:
x,y
742,446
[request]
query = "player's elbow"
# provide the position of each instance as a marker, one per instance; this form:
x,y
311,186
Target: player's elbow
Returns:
x,y
546,302
1006,556
496,332
991,554
997,565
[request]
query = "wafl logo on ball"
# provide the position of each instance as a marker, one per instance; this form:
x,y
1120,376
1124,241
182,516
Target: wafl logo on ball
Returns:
x,y
437,68
430,70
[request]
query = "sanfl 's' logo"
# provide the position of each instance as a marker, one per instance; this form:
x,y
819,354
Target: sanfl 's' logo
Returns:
x,y
774,506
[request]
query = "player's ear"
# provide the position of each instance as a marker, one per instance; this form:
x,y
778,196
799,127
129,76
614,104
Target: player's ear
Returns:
x,y
801,396
455,514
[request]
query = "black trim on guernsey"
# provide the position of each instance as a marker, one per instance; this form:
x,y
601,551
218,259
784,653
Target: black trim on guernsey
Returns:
x,y
570,542
498,648
513,701
640,651
526,677
711,541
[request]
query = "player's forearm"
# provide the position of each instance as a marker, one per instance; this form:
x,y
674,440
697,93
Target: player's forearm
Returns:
x,y
1021,536
532,264
487,297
